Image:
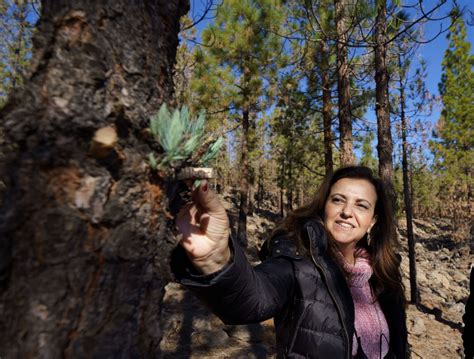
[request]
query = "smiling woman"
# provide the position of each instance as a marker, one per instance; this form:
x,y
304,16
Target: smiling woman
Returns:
x,y
349,213
331,291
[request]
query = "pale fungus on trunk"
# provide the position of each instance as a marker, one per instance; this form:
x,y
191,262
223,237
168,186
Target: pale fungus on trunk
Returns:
x,y
104,141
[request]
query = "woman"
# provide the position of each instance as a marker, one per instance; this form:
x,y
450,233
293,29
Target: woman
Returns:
x,y
329,276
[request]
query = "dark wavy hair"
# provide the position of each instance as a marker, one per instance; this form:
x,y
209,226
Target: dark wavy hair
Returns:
x,y
385,262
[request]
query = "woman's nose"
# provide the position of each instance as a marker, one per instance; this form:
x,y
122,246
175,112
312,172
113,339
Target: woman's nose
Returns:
x,y
346,211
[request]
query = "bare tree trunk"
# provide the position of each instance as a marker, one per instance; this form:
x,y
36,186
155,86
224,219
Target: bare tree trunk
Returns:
x,y
414,293
289,190
326,84
244,181
251,172
382,106
343,86
84,242
260,187
282,187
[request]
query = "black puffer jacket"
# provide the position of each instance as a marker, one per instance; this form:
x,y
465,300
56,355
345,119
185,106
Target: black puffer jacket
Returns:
x,y
308,298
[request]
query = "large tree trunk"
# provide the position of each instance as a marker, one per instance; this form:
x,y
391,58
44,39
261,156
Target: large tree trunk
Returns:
x,y
343,85
83,240
382,106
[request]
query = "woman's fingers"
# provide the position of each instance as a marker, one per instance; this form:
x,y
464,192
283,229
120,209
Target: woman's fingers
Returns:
x,y
185,219
205,228
208,201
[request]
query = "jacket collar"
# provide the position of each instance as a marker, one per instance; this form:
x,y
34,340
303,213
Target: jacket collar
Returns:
x,y
316,236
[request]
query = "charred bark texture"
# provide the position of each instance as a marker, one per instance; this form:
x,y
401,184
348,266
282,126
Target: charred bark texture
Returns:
x,y
382,106
343,86
84,241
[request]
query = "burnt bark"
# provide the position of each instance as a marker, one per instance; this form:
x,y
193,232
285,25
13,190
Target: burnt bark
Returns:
x,y
343,85
84,241
382,106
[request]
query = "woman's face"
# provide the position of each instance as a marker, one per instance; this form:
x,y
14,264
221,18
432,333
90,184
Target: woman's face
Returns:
x,y
349,211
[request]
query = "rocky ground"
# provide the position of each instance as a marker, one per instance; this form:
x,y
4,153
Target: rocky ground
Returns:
x,y
443,261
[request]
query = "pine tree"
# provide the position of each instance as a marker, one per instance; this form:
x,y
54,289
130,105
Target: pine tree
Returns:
x,y
368,158
296,142
343,83
410,101
235,72
16,30
382,106
323,71
453,145
185,64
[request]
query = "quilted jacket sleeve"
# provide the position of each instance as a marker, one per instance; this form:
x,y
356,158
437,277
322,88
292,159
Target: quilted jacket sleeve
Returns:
x,y
240,293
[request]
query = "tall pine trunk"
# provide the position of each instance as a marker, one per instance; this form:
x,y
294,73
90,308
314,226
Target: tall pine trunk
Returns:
x,y
289,191
281,182
414,294
382,106
260,187
244,178
250,169
84,243
326,84
343,85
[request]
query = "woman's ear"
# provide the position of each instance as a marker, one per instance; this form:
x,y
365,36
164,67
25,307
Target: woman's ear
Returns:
x,y
372,223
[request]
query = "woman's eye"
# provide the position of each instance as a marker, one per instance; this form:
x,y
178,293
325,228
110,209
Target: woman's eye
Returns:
x,y
336,200
363,206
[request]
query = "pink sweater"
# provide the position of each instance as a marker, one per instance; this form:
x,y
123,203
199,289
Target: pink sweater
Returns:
x,y
370,323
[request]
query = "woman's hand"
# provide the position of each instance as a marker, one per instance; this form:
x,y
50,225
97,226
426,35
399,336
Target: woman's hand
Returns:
x,y
205,228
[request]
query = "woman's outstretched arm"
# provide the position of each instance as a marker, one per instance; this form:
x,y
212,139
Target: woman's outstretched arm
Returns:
x,y
217,270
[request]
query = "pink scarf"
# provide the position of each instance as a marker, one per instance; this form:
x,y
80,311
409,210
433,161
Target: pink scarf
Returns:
x,y
370,323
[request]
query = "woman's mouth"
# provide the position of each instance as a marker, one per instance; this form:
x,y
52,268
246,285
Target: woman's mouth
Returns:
x,y
344,225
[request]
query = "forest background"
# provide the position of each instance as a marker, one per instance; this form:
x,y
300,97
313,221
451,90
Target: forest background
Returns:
x,y
296,89
308,100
